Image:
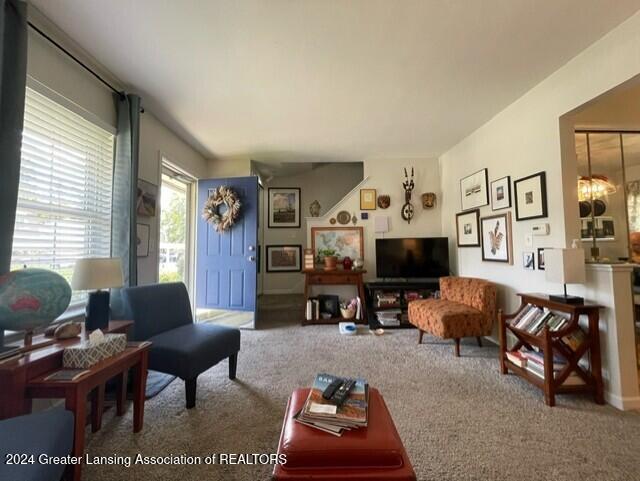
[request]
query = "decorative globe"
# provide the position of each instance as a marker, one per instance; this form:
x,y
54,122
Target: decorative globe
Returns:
x,y
32,298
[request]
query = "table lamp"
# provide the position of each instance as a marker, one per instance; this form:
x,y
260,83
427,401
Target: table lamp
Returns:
x,y
97,273
567,267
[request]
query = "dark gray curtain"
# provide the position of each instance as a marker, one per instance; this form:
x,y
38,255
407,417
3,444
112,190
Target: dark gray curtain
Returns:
x,y
125,185
13,76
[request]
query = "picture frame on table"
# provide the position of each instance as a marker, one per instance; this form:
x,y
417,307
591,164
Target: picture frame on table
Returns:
x,y
468,228
367,199
531,197
283,207
474,190
497,238
142,240
501,193
345,241
284,258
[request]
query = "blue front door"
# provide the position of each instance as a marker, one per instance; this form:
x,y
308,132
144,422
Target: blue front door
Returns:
x,y
226,276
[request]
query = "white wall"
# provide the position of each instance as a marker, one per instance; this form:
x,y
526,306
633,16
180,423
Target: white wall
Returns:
x,y
528,137
328,184
386,176
50,67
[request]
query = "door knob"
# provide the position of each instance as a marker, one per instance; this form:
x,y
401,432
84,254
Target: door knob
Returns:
x,y
252,248
251,258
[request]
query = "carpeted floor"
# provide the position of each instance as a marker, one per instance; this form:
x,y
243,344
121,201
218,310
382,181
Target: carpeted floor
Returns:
x,y
458,417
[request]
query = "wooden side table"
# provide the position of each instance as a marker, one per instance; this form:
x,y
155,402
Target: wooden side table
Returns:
x,y
15,373
320,277
75,392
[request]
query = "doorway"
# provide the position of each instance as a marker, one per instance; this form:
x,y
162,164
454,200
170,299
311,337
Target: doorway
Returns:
x,y
175,240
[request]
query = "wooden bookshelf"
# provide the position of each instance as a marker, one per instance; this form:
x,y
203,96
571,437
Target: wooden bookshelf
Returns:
x,y
551,344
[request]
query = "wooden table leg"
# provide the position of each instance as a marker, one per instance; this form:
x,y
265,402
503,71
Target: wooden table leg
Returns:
x,y
76,401
121,393
139,385
97,407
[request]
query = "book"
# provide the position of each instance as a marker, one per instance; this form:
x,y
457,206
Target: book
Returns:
x,y
66,375
517,358
514,322
324,415
574,339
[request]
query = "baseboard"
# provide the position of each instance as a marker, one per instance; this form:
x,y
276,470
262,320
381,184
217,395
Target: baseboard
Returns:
x,y
622,403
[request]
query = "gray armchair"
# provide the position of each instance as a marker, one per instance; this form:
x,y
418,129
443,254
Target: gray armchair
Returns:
x,y
47,432
162,315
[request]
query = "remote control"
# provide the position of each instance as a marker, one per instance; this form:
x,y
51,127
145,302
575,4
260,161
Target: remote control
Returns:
x,y
332,388
340,396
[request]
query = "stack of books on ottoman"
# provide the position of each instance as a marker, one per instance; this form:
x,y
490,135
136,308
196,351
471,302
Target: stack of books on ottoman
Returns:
x,y
335,415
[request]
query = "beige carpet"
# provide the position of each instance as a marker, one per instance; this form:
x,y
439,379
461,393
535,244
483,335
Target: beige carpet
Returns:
x,y
459,418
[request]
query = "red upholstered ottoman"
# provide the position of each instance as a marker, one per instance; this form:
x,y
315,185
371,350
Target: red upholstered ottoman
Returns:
x,y
372,453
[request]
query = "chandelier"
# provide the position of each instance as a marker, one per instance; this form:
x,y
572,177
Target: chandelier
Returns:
x,y
594,187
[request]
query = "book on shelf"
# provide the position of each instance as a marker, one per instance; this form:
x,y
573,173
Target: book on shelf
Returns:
x,y
389,317
312,311
517,358
324,415
384,299
574,339
532,320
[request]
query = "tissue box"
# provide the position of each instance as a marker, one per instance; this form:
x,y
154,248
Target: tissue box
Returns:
x,y
87,354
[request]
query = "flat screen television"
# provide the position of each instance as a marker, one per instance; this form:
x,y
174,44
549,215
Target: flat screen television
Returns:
x,y
424,257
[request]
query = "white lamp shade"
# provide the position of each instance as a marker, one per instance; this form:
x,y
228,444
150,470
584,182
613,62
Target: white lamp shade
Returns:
x,y
97,273
565,266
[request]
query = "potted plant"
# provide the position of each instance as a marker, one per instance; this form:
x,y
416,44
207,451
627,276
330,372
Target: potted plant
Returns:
x,y
330,258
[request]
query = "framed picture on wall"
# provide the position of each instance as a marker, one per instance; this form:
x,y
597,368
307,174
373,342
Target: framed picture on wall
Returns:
x,y
541,258
146,199
474,190
468,228
528,261
496,238
501,193
531,196
142,240
367,199
345,241
284,207
284,258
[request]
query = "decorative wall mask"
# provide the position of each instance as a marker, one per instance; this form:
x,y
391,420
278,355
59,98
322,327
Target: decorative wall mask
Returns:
x,y
384,201
408,186
314,208
428,200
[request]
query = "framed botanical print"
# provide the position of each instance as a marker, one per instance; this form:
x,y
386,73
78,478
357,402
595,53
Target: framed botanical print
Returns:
x,y
284,207
344,241
367,199
468,229
531,196
284,258
496,238
474,190
501,193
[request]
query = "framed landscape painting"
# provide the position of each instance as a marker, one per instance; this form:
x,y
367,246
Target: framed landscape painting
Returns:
x,y
284,258
501,193
284,207
474,190
345,241
468,228
531,196
496,238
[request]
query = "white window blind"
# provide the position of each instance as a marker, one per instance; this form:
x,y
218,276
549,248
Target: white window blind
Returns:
x,y
64,199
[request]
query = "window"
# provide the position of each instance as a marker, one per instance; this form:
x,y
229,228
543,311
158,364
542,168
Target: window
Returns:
x,y
64,198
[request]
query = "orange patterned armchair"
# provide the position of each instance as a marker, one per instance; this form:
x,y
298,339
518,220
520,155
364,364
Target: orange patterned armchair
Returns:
x,y
466,308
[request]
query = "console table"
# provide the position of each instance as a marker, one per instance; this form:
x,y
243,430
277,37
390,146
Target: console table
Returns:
x,y
320,277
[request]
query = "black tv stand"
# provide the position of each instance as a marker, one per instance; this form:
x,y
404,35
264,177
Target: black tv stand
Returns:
x,y
424,288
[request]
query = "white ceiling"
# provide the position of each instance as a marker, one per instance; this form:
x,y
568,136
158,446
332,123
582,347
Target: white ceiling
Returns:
x,y
327,80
